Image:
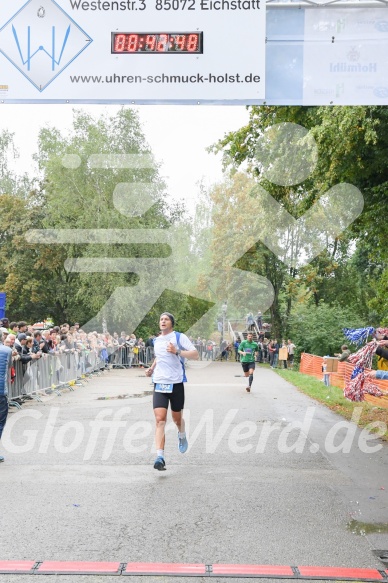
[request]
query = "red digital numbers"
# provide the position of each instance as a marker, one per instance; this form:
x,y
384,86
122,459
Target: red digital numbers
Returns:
x,y
157,42
119,43
126,43
192,43
150,43
187,43
162,44
133,43
180,41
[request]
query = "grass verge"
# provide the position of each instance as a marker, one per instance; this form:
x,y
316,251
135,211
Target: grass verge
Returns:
x,y
333,398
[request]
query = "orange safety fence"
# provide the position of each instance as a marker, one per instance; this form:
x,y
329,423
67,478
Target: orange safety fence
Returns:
x,y
311,364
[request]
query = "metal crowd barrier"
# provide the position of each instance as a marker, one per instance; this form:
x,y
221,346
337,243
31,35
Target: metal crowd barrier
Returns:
x,y
127,356
53,372
149,355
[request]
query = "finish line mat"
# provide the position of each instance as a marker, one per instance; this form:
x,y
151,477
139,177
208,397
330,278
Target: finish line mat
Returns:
x,y
191,570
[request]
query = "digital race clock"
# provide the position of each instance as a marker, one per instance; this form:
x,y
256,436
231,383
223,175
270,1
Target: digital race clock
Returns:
x,y
153,43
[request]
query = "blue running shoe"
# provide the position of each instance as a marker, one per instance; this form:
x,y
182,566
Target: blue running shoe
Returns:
x,y
159,464
182,444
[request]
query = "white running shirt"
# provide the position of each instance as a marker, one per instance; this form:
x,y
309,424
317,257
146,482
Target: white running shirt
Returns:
x,y
168,367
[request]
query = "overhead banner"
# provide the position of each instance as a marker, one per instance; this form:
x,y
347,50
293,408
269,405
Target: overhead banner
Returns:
x,y
192,51
131,51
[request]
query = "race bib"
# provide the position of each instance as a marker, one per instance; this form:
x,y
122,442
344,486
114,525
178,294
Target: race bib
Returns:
x,y
163,388
248,350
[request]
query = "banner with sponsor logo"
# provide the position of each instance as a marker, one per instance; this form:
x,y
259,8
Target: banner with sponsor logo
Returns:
x,y
344,56
132,51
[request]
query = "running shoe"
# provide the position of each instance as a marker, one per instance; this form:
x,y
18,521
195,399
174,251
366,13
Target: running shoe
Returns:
x,y
182,444
248,389
159,464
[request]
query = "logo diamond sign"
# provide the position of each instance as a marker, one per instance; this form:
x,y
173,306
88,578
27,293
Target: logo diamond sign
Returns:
x,y
41,40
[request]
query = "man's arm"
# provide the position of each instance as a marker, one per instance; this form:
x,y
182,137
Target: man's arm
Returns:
x,y
150,370
378,374
25,358
189,353
43,346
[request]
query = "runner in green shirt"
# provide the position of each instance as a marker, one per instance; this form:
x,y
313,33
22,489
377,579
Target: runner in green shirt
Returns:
x,y
248,350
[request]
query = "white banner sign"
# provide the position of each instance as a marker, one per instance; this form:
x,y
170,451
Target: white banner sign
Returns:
x,y
345,56
132,50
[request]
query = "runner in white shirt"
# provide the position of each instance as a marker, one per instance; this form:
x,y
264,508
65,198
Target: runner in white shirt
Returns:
x,y
167,373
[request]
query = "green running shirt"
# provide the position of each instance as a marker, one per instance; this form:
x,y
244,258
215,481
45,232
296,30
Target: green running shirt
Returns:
x,y
250,348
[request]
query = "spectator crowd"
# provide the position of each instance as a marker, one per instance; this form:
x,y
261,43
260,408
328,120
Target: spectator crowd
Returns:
x,y
29,343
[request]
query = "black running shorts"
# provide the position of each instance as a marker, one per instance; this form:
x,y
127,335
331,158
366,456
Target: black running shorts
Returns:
x,y
247,366
176,398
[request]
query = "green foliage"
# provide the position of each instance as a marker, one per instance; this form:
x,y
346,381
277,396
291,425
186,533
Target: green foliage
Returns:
x,y
73,194
187,311
353,147
76,195
318,329
379,303
345,285
82,197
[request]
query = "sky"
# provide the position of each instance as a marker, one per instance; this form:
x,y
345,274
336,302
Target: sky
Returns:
x,y
177,135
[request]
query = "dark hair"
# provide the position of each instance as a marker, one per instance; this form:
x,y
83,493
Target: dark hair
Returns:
x,y
13,324
37,333
21,324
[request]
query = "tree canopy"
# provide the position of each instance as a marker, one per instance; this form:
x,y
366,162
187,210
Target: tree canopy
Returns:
x,y
246,223
98,178
351,272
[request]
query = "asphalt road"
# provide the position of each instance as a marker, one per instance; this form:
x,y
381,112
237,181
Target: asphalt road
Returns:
x,y
254,487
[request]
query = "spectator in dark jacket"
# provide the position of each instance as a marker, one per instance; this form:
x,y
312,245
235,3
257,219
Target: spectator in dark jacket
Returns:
x,y
273,349
25,354
40,344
